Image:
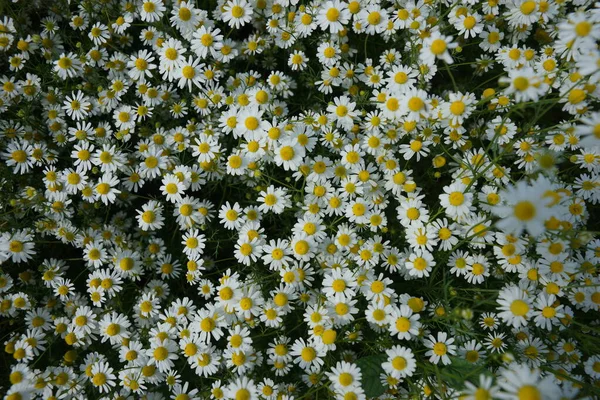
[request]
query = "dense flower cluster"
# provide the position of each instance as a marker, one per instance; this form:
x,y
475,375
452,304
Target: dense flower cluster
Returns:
x,y
275,199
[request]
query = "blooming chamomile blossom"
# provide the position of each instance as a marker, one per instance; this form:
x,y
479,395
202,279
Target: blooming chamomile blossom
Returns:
x,y
437,46
150,216
440,348
525,209
333,15
237,13
400,362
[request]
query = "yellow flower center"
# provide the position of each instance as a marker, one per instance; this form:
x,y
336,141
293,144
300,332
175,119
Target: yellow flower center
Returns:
x,y
185,14
528,7
19,156
65,63
171,54
99,379
440,349
171,188
402,324
374,18
286,153
549,312
226,293
420,263
457,107
148,217
415,104
521,83
438,46
237,11
456,198
576,96
341,111
529,392
161,353
231,215
469,22
377,287
207,324
149,7
308,354
188,72
524,210
332,14
301,247
113,329
392,104
399,363
519,308
346,379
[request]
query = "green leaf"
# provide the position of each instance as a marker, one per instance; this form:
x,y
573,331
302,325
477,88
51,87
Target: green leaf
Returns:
x,y
370,368
461,370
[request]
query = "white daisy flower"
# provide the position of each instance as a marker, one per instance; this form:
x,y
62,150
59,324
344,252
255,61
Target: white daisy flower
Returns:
x,y
237,13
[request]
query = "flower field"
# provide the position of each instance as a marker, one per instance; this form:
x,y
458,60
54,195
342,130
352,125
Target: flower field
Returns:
x,y
299,199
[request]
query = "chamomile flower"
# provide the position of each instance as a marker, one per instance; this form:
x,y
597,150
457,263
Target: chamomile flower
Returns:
x,y
289,154
17,246
333,15
189,72
547,314
161,353
108,158
307,355
400,362
141,65
525,209
298,60
345,376
207,41
151,10
492,39
99,33
524,84
237,13
171,57
420,263
206,148
456,201
102,376
113,327
458,107
342,112
404,323
277,254
440,348
437,46
230,216
77,105
478,269
520,380
172,188
515,305
242,387
484,388
373,19
339,284
185,16
194,243
19,156
67,66
150,216
274,199
105,189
